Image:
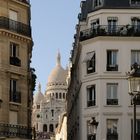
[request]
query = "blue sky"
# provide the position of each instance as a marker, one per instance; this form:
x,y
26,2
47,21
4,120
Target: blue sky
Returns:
x,y
53,26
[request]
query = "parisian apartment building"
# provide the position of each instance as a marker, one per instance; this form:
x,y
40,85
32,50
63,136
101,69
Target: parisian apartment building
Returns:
x,y
106,45
15,71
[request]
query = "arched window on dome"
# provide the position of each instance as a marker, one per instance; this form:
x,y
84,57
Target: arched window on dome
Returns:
x,y
53,94
64,96
51,128
44,128
60,95
56,95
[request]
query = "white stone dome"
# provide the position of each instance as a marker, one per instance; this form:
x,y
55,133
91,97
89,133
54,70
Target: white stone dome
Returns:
x,y
58,74
38,96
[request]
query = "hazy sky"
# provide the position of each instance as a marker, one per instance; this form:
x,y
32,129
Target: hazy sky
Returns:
x,y
53,26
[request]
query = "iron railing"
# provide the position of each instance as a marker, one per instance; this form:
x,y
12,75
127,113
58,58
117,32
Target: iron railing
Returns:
x,y
15,26
106,30
91,103
24,1
9,130
15,96
15,61
112,136
112,101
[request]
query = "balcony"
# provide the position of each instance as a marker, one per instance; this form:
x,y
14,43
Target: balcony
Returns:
x,y
15,26
105,30
112,101
91,103
112,136
112,67
9,130
15,61
15,97
24,1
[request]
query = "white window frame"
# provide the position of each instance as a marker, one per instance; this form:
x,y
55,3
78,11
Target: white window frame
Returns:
x,y
114,57
111,124
135,56
14,49
93,94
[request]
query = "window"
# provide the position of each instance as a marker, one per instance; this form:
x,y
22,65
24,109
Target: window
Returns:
x,y
97,3
112,129
112,24
15,96
60,95
44,128
52,111
135,2
63,95
90,61
14,54
112,89
38,106
56,95
137,129
95,23
112,60
51,128
13,19
91,96
135,57
14,49
136,23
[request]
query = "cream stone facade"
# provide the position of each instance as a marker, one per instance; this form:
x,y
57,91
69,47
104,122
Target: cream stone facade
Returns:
x,y
15,73
107,43
49,106
61,131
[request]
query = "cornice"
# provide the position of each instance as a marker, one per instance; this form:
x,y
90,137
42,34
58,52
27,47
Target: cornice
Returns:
x,y
15,36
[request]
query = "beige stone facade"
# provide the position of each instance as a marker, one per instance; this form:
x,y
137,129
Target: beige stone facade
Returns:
x,y
15,71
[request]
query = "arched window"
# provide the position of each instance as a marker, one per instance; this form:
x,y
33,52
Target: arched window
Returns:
x,y
51,128
63,95
36,126
56,95
60,96
44,128
52,112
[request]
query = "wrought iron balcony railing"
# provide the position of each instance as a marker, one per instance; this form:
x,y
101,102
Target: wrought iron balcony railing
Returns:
x,y
106,30
15,96
15,61
113,67
91,103
15,26
25,1
112,101
112,136
9,130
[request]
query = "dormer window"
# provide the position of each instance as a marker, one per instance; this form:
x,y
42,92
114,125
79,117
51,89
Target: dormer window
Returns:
x,y
97,3
135,2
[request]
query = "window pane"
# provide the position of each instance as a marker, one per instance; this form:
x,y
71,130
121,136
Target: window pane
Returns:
x,y
135,57
112,126
112,91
